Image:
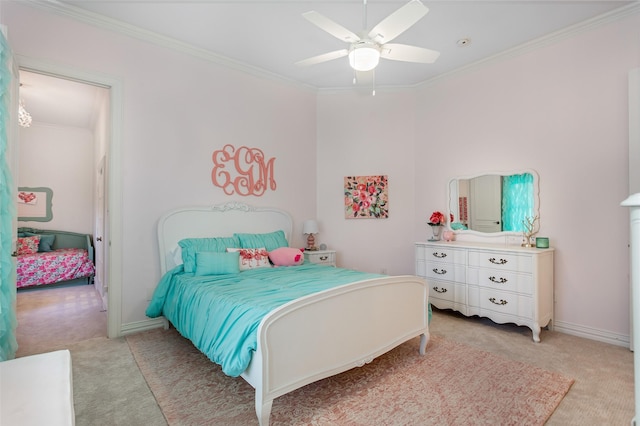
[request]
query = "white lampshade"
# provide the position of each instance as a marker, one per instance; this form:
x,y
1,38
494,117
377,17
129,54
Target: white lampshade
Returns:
x,y
364,58
310,227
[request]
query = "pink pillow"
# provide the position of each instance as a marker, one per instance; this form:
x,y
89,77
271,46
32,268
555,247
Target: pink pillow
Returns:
x,y
28,245
287,256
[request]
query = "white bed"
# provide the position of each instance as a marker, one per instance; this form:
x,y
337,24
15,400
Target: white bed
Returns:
x,y
366,318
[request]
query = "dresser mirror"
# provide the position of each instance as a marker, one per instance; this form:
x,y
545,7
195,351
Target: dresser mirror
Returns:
x,y
493,202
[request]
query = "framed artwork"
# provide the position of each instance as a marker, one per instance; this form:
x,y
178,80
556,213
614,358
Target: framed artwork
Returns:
x,y
34,204
366,197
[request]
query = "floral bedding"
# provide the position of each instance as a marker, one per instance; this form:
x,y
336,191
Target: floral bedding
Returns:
x,y
53,267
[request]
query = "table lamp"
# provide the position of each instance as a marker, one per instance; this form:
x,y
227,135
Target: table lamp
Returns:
x,y
310,227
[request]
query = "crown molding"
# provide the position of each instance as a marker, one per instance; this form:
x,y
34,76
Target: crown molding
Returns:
x,y
149,36
547,40
133,31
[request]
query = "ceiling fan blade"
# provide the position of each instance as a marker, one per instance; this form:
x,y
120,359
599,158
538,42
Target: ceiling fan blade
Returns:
x,y
333,28
398,22
406,53
323,58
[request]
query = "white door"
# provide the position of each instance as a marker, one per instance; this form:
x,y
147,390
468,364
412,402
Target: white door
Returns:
x,y
100,233
485,203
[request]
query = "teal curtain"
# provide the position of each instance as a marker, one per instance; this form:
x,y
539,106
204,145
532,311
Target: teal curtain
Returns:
x,y
517,201
8,344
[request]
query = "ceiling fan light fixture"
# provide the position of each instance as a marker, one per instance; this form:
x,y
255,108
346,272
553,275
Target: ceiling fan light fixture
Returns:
x,y
364,57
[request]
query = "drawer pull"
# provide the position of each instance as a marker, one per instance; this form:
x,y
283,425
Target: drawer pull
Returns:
x,y
501,302
439,290
439,255
323,258
439,271
497,262
498,280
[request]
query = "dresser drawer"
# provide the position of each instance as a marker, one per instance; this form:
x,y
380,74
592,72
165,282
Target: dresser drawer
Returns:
x,y
501,261
501,280
445,271
448,291
322,257
499,301
441,253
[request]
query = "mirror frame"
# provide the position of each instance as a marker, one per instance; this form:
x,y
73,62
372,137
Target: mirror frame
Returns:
x,y
44,212
536,200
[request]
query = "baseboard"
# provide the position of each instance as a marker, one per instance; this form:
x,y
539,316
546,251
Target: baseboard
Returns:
x,y
140,326
592,333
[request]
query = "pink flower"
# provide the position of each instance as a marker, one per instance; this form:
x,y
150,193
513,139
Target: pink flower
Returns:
x,y
437,218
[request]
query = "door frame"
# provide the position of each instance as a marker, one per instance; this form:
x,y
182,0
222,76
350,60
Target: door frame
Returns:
x,y
113,241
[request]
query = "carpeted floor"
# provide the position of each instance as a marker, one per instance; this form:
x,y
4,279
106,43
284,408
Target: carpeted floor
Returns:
x,y
453,384
110,390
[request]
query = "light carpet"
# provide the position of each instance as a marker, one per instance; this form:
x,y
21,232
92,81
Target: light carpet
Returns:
x,y
453,384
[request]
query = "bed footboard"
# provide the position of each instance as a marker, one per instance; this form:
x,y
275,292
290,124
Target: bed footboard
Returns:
x,y
329,332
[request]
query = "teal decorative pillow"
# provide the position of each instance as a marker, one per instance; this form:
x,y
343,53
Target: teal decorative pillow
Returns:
x,y
46,241
214,263
191,246
270,240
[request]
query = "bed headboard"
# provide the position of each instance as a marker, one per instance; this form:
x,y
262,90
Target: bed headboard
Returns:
x,y
221,220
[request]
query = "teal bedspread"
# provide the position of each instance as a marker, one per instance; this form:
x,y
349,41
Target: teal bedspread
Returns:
x,y
220,314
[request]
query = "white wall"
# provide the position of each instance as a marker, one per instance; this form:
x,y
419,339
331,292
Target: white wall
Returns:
x,y
360,135
560,110
60,158
178,109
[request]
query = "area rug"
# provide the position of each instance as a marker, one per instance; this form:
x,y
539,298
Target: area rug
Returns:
x,y
453,384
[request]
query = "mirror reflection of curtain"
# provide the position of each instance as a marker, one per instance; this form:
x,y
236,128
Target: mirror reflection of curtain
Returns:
x,y
8,344
517,201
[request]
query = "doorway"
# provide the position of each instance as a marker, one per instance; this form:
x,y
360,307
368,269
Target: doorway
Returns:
x,y
71,123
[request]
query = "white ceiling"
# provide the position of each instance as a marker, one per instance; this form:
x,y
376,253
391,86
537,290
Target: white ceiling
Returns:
x,y
270,36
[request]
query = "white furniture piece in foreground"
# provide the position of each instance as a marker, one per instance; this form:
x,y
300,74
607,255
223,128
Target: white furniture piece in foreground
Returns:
x,y
366,319
37,390
508,284
634,203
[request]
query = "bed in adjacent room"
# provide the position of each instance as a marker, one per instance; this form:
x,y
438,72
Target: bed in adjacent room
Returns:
x,y
52,257
232,286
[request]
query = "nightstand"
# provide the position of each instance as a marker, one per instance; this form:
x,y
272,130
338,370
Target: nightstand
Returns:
x,y
322,257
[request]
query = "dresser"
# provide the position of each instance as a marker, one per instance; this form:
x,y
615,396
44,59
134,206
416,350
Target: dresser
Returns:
x,y
508,284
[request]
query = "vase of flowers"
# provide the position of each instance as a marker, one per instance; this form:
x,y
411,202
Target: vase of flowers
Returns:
x,y
436,222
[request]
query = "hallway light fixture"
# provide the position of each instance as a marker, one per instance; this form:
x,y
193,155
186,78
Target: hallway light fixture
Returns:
x,y
24,118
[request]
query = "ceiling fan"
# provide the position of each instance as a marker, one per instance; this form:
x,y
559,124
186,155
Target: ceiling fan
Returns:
x,y
366,49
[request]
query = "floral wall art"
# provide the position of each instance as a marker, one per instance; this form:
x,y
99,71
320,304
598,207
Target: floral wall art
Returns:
x,y
243,171
366,197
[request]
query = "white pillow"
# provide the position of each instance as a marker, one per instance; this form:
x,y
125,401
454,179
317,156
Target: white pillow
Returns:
x,y
251,258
